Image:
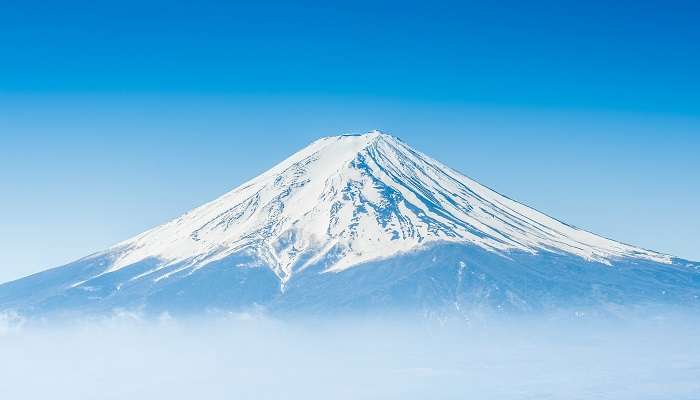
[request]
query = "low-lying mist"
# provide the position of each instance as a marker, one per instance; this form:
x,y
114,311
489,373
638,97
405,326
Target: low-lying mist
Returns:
x,y
232,357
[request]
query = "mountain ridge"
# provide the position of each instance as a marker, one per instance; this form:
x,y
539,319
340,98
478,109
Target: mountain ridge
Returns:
x,y
338,204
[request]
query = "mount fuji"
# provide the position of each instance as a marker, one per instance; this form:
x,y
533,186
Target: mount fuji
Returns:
x,y
360,223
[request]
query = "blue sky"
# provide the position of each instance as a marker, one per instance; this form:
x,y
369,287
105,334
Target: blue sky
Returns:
x,y
116,116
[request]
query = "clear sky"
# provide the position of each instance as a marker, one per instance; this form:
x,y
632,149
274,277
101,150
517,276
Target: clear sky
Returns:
x,y
117,116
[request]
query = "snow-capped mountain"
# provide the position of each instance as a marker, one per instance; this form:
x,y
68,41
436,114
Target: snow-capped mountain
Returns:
x,y
360,221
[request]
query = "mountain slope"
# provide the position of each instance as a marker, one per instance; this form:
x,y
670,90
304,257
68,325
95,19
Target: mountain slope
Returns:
x,y
351,206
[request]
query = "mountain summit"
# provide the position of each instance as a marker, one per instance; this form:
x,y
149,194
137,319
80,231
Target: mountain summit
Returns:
x,y
360,221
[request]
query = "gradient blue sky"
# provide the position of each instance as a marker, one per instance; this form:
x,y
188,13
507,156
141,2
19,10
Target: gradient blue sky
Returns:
x,y
116,116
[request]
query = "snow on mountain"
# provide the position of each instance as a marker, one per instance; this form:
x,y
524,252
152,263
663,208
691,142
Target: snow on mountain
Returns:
x,y
362,197
338,204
